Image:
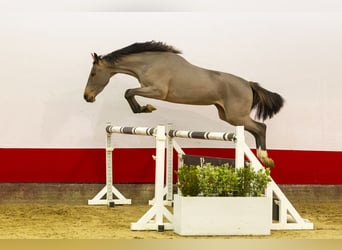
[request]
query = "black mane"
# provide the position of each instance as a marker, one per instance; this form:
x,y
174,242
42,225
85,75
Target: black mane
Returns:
x,y
138,48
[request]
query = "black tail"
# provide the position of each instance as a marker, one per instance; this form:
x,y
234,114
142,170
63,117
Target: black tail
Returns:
x,y
267,103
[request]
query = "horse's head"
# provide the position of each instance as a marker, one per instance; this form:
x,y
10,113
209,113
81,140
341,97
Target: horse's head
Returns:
x,y
98,78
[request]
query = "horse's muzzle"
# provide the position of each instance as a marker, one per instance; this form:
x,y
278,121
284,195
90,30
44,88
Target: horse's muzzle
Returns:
x,y
89,98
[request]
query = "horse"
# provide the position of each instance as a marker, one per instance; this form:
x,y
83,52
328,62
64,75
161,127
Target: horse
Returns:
x,y
165,75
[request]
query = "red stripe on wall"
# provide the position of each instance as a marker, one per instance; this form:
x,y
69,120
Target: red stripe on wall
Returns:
x,y
132,165
52,165
306,167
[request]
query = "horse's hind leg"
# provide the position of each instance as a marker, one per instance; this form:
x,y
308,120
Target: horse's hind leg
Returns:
x,y
257,129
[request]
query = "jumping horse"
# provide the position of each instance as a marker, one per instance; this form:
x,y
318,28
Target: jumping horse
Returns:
x,y
164,75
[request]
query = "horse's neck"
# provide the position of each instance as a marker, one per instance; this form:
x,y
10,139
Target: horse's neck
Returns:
x,y
130,65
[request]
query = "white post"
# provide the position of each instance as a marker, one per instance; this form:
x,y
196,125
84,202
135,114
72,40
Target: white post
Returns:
x,y
159,180
239,147
169,166
153,218
109,169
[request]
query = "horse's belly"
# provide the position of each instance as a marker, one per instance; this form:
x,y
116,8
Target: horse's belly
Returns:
x,y
194,97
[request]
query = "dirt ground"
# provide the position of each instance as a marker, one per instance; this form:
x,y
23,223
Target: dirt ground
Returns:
x,y
41,221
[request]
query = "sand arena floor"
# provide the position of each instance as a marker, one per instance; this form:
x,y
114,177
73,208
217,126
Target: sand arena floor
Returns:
x,y
66,221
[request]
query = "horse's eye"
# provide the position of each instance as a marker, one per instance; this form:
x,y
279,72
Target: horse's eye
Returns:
x,y
92,74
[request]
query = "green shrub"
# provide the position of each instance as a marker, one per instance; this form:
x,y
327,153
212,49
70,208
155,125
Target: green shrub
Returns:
x,y
251,182
207,180
228,180
188,180
222,180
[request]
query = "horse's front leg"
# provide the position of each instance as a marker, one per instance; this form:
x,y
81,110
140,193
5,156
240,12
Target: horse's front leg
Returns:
x,y
145,92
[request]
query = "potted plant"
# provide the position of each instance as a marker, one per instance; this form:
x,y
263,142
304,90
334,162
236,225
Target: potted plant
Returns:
x,y
222,200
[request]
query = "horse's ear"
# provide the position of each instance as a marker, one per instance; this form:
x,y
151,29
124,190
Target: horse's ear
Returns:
x,y
96,58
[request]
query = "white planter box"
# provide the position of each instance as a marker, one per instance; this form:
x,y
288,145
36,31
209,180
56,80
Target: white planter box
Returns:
x,y
222,215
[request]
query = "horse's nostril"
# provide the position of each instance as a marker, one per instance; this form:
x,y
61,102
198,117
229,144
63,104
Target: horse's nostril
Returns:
x,y
89,98
86,97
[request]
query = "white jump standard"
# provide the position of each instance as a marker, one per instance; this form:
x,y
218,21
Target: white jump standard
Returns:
x,y
165,138
109,189
286,209
153,218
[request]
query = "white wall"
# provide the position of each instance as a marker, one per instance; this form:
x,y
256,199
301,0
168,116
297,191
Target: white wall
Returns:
x,y
45,62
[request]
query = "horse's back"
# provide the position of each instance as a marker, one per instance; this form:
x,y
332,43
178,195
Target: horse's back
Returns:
x,y
188,83
181,67
204,85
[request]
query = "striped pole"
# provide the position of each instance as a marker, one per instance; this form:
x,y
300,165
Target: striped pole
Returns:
x,y
219,136
131,130
150,131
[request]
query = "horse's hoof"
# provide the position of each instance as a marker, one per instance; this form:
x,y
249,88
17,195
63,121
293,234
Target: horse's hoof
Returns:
x,y
268,162
147,109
